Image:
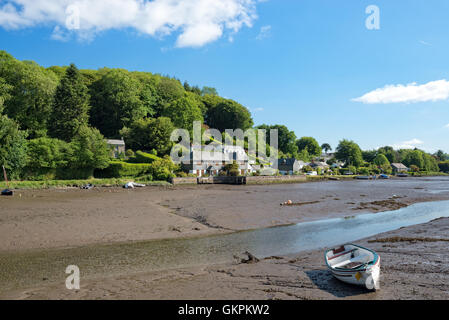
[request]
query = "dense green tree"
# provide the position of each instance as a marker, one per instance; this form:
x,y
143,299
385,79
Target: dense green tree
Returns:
x,y
326,147
183,112
89,149
48,153
441,156
12,147
70,107
4,93
369,155
304,155
229,114
286,139
309,143
349,152
148,134
209,91
414,157
168,91
430,163
444,166
391,154
31,93
116,102
381,160
148,91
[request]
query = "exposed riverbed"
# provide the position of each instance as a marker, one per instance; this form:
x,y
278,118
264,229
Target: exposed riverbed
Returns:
x,y
343,212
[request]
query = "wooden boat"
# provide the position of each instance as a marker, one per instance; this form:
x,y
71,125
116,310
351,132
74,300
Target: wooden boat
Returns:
x,y
354,264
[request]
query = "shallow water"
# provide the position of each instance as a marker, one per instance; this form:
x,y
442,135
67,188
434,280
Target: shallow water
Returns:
x,y
29,268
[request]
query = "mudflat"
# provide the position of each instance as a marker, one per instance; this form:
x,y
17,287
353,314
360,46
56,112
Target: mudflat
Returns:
x,y
42,230
57,218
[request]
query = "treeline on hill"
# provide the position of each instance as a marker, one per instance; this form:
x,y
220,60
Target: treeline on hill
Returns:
x,y
53,124
53,121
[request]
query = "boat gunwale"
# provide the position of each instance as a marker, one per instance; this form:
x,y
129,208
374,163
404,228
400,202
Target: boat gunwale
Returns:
x,y
363,267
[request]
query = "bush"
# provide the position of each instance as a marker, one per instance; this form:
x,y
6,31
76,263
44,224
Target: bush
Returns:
x,y
118,169
143,157
129,153
364,171
444,166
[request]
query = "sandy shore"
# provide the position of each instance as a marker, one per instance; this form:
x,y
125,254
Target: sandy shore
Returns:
x,y
35,223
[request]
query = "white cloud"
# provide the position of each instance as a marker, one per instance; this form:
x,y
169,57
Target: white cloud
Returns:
x,y
197,22
411,144
265,32
447,126
258,109
431,91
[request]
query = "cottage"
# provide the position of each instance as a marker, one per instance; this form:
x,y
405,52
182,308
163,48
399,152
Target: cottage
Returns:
x,y
289,166
117,147
398,167
211,159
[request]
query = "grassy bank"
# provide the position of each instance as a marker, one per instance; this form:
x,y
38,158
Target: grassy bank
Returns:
x,y
77,183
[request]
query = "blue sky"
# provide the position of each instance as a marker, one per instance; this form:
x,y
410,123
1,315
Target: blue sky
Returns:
x,y
295,62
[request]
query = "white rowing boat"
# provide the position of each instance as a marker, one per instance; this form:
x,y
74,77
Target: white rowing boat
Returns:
x,y
355,265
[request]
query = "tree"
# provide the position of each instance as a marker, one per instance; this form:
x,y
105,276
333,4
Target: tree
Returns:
x,y
90,150
70,107
183,112
326,147
229,114
309,144
369,155
116,102
4,93
148,134
48,153
350,153
12,147
381,160
168,90
391,154
286,139
209,90
31,90
415,158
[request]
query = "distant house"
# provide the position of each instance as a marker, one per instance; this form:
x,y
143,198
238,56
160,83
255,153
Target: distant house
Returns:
x,y
319,164
398,167
117,147
211,159
289,166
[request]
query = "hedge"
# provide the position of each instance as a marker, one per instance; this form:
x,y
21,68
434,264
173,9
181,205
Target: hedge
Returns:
x,y
143,157
43,174
118,169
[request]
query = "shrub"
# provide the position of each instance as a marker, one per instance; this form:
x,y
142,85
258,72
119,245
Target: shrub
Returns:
x,y
117,169
129,153
143,157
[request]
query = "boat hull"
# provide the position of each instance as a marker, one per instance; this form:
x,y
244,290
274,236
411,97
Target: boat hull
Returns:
x,y
354,265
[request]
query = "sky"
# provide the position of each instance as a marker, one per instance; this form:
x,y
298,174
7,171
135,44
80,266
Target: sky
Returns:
x,y
331,69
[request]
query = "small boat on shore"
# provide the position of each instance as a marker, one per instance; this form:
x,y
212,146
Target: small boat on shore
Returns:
x,y
354,264
363,177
